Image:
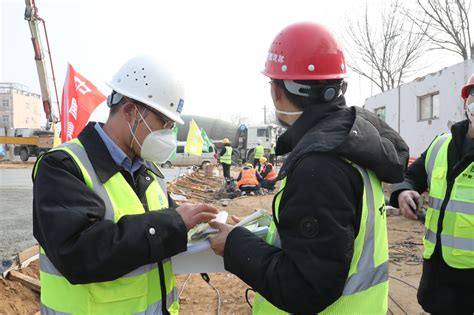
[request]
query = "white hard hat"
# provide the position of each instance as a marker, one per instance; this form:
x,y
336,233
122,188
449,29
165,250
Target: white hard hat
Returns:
x,y
259,142
146,80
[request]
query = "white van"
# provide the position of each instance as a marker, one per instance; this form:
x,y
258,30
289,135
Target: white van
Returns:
x,y
186,159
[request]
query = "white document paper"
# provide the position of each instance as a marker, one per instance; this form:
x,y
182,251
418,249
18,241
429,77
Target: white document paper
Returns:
x,y
200,257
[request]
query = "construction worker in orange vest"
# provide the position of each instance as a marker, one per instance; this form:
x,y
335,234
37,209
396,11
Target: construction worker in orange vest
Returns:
x,y
249,180
268,174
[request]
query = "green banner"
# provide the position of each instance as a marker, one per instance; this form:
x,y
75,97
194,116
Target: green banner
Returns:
x,y
207,143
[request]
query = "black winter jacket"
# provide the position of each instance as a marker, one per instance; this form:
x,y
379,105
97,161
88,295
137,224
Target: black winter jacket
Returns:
x,y
68,218
320,207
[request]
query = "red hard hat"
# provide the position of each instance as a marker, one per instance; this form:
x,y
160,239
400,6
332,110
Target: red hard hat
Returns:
x,y
465,89
305,51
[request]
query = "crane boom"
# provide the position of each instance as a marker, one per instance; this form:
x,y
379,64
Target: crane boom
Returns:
x,y
31,15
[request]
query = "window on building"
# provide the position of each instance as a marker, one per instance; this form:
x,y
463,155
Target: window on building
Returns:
x,y
428,107
380,112
27,105
6,103
5,119
262,133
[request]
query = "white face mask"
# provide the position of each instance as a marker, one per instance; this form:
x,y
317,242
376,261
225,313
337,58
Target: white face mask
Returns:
x,y
287,113
158,145
470,112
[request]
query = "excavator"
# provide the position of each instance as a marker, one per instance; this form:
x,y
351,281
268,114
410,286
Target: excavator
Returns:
x,y
38,141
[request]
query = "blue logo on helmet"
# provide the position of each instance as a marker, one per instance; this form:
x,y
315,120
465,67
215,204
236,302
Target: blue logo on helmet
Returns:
x,y
179,109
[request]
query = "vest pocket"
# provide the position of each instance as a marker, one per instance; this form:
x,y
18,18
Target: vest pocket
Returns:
x,y
464,193
464,230
119,290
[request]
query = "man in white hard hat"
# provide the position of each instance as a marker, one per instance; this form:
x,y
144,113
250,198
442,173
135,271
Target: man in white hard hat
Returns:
x,y
101,213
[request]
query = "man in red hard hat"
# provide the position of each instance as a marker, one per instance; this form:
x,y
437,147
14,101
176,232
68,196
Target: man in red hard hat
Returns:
x,y
446,170
326,250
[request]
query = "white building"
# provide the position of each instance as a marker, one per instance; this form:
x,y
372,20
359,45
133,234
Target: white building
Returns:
x,y
421,109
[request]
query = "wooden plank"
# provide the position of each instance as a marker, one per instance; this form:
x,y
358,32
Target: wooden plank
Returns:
x,y
28,281
28,253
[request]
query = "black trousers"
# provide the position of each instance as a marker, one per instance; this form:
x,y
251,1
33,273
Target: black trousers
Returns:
x,y
255,163
249,188
271,159
226,169
268,184
445,290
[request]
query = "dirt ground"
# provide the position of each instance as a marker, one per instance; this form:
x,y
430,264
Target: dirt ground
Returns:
x,y
16,164
198,297
15,298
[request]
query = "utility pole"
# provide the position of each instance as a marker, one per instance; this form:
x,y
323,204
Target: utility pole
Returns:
x,y
265,114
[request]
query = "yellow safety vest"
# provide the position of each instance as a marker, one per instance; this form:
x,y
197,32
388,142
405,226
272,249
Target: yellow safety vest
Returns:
x,y
366,288
227,157
453,203
137,292
259,151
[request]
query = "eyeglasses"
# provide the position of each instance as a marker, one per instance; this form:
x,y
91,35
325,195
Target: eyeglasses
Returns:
x,y
167,123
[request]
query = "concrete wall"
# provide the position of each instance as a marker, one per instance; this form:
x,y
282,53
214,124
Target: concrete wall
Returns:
x,y
402,105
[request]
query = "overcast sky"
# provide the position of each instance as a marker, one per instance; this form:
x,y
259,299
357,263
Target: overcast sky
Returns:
x,y
219,46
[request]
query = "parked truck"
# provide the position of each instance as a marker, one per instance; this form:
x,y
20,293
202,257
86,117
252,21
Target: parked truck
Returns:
x,y
29,142
244,138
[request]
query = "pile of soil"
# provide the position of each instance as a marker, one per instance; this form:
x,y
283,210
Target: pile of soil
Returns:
x,y
15,298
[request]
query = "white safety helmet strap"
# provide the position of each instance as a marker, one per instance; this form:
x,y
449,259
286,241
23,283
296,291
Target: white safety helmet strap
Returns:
x,y
152,83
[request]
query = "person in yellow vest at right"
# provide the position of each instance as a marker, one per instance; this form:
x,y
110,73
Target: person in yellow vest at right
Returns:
x,y
102,216
268,173
258,153
226,157
326,251
446,171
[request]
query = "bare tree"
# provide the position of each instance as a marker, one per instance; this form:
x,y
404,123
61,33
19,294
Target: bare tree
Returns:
x,y
385,51
239,118
446,24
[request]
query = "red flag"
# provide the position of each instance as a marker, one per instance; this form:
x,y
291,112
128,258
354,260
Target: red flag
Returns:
x,y
80,98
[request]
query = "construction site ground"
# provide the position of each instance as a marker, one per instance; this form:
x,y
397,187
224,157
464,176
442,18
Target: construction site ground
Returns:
x,y
198,297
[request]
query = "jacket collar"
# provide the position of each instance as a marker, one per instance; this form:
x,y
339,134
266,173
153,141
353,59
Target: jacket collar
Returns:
x,y
103,163
310,117
459,131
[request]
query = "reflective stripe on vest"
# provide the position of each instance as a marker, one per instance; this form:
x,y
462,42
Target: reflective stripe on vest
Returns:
x,y
227,157
259,151
434,153
457,234
131,293
366,288
248,177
